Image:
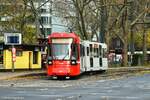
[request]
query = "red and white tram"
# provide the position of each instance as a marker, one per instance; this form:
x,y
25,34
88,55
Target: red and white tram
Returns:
x,y
69,56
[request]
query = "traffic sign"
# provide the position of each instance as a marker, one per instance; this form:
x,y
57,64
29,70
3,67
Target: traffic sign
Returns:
x,y
13,54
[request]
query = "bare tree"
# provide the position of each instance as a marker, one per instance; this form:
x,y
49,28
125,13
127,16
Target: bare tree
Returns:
x,y
17,15
79,12
120,19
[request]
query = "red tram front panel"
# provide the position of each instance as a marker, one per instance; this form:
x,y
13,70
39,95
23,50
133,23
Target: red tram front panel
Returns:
x,y
63,68
63,56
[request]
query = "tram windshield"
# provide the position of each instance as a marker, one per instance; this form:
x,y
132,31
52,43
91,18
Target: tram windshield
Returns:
x,y
61,50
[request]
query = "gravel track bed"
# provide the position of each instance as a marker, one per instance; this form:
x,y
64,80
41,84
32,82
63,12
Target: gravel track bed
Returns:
x,y
85,79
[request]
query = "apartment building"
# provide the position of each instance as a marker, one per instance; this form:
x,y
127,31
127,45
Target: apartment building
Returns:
x,y
50,22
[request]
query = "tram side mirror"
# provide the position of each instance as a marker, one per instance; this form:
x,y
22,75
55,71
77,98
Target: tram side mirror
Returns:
x,y
74,53
50,60
72,45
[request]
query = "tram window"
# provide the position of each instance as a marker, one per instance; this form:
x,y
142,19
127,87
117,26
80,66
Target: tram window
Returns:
x,y
18,53
91,48
87,51
82,50
100,62
104,52
96,52
91,51
35,57
91,62
75,51
100,50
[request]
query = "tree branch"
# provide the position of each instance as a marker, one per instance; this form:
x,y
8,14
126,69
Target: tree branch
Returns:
x,y
139,16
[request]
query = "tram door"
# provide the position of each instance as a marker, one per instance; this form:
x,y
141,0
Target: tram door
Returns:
x,y
82,58
100,55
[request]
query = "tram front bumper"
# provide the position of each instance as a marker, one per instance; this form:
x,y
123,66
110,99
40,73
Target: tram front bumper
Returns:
x,y
61,72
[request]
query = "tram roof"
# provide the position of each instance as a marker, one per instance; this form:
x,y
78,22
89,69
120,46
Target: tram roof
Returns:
x,y
64,35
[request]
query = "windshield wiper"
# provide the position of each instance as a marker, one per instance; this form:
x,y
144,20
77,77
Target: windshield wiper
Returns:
x,y
54,56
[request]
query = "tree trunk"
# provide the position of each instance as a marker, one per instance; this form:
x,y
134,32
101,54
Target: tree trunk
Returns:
x,y
107,40
37,19
125,36
81,20
144,48
83,26
125,52
23,20
104,22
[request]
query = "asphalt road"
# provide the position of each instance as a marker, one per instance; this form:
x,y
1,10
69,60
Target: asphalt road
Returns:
x,y
131,88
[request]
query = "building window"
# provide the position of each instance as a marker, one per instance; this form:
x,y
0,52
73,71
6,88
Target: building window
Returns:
x,y
43,10
47,31
35,57
46,20
50,20
18,53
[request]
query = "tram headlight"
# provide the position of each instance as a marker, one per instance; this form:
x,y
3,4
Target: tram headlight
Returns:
x,y
73,62
50,62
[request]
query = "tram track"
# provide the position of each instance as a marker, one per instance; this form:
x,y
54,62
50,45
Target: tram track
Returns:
x,y
110,73
114,73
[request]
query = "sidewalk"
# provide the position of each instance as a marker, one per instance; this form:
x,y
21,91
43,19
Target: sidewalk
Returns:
x,y
8,75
